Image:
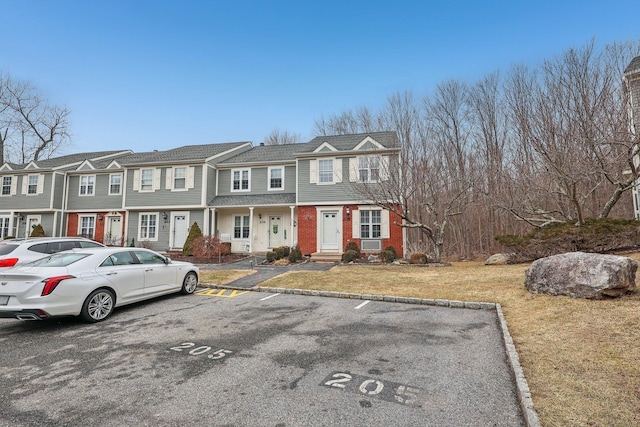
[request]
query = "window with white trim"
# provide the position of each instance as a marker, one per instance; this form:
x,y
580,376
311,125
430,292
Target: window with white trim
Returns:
x,y
6,185
148,226
325,171
276,178
4,227
32,185
240,179
180,178
369,169
370,224
241,227
115,183
86,226
87,185
146,179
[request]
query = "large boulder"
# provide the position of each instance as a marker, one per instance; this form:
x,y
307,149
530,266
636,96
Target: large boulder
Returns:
x,y
501,259
582,275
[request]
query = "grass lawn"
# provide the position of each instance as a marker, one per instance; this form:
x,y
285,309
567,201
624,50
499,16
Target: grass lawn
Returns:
x,y
581,357
222,277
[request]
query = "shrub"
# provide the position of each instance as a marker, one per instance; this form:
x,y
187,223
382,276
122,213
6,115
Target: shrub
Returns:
x,y
145,244
133,243
282,251
350,255
194,232
352,246
387,256
596,235
37,231
418,259
295,255
393,250
210,247
271,256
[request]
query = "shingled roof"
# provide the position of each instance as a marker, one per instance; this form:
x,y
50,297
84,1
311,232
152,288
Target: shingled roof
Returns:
x,y
181,154
73,159
254,200
348,142
634,66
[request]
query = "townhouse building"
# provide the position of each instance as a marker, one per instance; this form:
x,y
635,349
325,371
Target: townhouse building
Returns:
x,y
255,197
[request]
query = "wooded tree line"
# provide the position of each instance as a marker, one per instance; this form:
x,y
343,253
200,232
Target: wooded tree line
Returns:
x,y
514,150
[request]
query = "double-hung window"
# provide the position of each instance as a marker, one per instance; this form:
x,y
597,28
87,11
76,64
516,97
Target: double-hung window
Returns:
x,y
240,180
369,169
325,171
115,183
87,226
146,179
370,224
241,227
148,226
180,178
32,186
6,185
276,178
87,185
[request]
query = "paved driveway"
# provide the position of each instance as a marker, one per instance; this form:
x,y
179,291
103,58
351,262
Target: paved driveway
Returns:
x,y
258,359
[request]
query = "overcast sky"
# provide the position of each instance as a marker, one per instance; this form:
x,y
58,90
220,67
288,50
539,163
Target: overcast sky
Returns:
x,y
160,74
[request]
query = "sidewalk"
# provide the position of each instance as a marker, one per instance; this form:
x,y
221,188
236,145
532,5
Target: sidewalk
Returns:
x,y
263,272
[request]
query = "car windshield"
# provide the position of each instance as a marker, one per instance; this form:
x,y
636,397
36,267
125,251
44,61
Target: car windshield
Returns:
x,y
57,260
6,248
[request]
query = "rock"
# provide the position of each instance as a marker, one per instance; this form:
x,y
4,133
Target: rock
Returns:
x,y
582,275
373,258
500,259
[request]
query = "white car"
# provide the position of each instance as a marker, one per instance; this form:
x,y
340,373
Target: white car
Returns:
x,y
91,282
21,251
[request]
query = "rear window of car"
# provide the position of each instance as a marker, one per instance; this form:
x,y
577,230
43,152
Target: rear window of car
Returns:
x,y
6,248
40,247
84,244
58,260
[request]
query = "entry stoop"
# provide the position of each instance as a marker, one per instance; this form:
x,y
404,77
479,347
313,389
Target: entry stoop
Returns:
x,y
326,256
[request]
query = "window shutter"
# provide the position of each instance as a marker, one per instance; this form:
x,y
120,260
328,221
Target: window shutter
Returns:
x,y
313,171
191,177
384,226
14,185
40,184
384,168
337,170
167,181
353,169
157,172
25,180
355,224
136,180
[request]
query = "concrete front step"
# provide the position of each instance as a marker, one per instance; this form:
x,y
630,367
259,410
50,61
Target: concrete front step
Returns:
x,y
326,256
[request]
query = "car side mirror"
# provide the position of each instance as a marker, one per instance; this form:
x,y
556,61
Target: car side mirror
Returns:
x,y
167,260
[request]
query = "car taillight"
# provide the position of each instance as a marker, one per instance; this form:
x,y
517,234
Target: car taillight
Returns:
x,y
8,262
52,282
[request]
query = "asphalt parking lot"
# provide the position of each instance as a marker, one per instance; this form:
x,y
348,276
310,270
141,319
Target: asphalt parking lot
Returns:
x,y
239,358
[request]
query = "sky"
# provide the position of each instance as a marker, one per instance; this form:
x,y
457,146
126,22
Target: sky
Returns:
x,y
155,75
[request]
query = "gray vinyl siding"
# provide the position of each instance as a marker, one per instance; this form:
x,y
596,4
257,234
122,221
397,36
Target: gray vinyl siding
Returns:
x,y
58,191
164,197
100,201
323,193
211,182
259,181
29,202
163,230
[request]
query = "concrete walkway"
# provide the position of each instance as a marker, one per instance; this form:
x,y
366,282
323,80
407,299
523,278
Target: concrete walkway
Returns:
x,y
263,272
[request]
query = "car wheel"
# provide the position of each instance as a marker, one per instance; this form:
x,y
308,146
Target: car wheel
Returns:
x,y
98,305
190,283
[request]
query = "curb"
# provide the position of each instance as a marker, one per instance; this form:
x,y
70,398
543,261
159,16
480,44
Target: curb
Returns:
x,y
522,387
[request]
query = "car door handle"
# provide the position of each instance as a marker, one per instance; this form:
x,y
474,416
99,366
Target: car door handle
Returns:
x,y
112,273
149,269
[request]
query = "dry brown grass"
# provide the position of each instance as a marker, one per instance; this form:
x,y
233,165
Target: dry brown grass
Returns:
x,y
222,277
581,357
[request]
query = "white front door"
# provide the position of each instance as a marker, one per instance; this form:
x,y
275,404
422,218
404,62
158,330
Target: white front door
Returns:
x,y
114,231
179,230
330,231
275,231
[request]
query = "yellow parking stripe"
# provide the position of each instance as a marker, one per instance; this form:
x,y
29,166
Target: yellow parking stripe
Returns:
x,y
222,293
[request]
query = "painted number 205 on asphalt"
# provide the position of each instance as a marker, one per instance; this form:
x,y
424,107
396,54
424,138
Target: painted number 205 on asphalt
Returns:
x,y
194,350
385,390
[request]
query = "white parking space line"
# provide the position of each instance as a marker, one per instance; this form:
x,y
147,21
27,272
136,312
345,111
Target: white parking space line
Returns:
x,y
270,296
362,305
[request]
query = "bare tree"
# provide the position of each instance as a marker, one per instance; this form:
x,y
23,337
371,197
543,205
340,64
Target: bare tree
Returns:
x,y
31,127
278,137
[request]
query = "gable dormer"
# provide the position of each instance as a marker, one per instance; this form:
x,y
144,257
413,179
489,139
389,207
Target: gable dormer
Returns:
x,y
325,147
6,168
114,165
86,166
32,165
368,144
